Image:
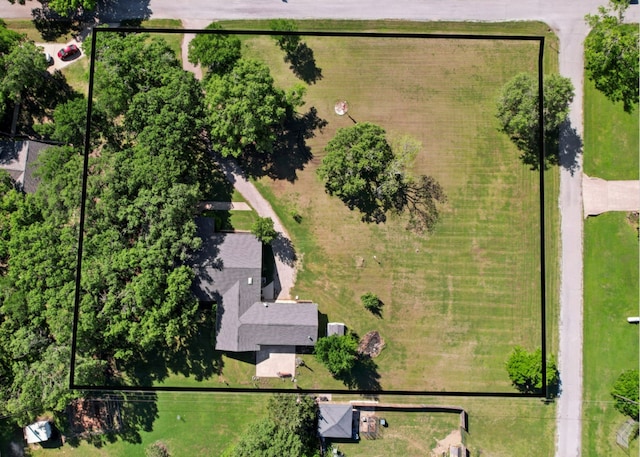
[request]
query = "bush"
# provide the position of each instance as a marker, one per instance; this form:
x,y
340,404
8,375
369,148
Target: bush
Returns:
x,y
525,370
157,449
372,303
263,229
625,393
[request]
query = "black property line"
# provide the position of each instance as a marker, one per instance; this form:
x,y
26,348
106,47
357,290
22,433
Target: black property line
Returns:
x,y
545,390
457,36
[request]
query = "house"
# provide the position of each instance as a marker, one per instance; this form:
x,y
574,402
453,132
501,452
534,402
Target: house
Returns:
x,y
335,421
229,272
18,159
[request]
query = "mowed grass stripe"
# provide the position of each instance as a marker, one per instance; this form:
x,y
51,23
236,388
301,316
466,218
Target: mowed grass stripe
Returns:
x,y
455,301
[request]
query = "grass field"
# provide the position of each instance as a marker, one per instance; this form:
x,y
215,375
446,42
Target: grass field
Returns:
x,y
610,137
26,27
206,427
455,301
610,274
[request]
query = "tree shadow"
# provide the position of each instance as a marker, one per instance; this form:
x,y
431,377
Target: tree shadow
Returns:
x,y
52,26
116,10
569,148
290,152
283,250
363,376
303,64
377,310
130,414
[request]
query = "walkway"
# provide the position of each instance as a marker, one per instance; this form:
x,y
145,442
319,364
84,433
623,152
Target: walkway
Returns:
x,y
600,196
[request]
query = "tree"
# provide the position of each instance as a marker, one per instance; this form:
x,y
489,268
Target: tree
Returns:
x,y
517,112
372,303
288,43
244,109
612,55
216,52
266,439
23,72
362,170
338,353
525,370
65,7
263,229
297,413
625,393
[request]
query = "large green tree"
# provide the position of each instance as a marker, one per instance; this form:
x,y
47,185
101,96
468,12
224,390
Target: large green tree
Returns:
x,y
625,393
611,54
338,353
525,370
361,169
245,111
517,113
216,52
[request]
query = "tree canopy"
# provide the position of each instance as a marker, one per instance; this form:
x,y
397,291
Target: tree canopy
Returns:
x,y
625,393
245,111
143,185
517,112
362,170
65,7
338,353
216,52
525,370
289,430
263,229
611,54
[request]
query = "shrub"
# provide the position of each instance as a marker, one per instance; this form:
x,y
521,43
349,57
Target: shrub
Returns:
x,y
157,449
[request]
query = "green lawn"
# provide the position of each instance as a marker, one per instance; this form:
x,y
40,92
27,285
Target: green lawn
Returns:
x,y
610,273
26,27
610,137
174,40
610,343
207,425
455,301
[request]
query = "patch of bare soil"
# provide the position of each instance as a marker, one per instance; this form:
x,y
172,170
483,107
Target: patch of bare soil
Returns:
x,y
90,416
452,439
371,344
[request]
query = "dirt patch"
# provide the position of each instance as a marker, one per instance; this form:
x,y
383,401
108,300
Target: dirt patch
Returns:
x,y
452,439
371,344
92,416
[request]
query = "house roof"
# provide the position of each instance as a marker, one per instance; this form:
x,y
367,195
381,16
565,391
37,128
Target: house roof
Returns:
x,y
18,158
228,272
335,421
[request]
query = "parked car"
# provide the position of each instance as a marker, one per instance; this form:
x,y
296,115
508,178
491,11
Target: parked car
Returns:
x,y
48,58
68,51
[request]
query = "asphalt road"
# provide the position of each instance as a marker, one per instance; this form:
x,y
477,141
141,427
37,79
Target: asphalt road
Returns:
x,y
565,17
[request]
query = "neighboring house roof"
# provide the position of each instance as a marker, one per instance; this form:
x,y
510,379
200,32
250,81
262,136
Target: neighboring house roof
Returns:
x,y
335,421
228,272
18,158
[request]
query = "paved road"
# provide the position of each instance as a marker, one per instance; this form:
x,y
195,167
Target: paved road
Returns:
x,y
564,17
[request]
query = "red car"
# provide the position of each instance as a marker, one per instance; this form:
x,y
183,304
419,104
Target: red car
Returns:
x,y
68,51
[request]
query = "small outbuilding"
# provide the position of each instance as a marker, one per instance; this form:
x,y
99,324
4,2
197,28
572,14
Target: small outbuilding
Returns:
x,y
335,421
335,328
37,432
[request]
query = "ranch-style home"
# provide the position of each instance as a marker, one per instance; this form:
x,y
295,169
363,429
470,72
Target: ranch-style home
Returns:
x,y
229,272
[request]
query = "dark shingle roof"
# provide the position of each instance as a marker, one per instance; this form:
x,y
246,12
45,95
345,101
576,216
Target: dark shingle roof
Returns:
x,y
228,271
335,421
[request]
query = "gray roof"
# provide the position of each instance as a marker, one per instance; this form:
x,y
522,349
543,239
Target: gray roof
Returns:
x,y
335,421
228,272
18,158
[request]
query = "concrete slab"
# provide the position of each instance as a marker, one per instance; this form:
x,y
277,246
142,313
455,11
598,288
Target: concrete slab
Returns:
x,y
272,360
224,206
600,196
